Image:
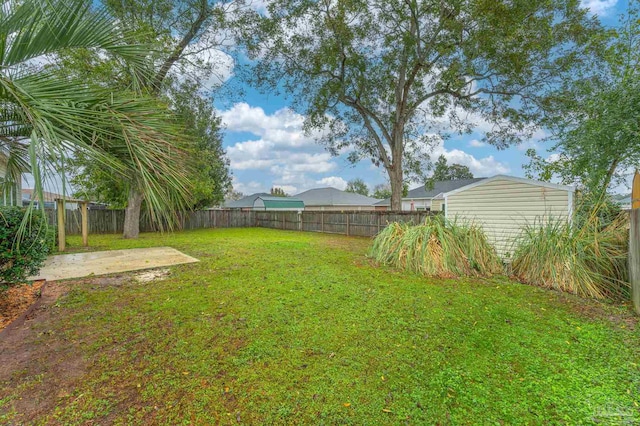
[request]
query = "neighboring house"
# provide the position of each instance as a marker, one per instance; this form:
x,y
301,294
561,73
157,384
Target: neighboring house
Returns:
x,y
503,205
332,199
421,198
244,203
9,193
50,198
270,203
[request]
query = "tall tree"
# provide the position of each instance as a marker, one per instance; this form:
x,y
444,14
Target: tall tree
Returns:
x,y
443,171
381,77
276,191
597,132
382,191
357,186
181,34
48,117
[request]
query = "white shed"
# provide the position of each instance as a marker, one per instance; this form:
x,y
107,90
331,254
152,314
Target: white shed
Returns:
x,y
503,205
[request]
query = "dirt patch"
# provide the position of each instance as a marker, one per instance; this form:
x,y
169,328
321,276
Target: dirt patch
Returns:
x,y
16,300
152,275
38,358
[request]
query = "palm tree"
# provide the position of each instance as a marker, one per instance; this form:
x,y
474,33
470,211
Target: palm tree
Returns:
x,y
47,116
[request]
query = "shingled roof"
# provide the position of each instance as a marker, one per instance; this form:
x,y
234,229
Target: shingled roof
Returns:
x,y
439,187
334,197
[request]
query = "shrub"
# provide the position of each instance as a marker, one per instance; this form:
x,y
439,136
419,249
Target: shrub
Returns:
x,y
25,241
437,248
588,260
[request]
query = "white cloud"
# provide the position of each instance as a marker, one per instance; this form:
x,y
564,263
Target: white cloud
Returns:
x,y
289,156
599,7
480,167
333,181
553,158
475,143
248,188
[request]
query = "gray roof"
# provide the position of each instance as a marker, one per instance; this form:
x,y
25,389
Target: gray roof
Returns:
x,y
334,197
245,202
439,187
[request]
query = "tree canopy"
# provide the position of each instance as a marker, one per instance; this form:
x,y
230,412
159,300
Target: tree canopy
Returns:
x,y
357,186
49,117
179,35
382,191
443,171
385,79
276,191
597,131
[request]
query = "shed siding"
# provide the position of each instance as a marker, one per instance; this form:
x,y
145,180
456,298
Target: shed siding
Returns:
x,y
436,205
503,207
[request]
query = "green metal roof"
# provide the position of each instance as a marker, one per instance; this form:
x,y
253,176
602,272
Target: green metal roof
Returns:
x,y
282,203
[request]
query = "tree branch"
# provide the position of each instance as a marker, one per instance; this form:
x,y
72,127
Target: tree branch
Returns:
x,y
203,13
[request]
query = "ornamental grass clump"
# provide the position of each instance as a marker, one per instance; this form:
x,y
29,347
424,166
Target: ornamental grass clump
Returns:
x,y
588,260
437,248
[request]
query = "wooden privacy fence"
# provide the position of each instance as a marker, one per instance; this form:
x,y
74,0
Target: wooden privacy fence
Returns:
x,y
360,223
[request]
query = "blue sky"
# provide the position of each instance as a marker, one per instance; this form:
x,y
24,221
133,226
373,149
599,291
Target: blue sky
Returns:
x,y
267,147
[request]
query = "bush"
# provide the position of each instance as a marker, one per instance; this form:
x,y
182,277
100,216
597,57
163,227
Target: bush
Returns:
x,y
25,242
437,248
589,259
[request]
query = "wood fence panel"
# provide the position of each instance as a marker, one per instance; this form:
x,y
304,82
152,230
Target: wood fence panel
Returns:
x,y
634,257
356,223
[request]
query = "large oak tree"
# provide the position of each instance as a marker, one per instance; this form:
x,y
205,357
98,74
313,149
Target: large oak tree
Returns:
x,y
387,78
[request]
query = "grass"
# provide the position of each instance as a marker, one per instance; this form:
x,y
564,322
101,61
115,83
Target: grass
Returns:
x,y
276,327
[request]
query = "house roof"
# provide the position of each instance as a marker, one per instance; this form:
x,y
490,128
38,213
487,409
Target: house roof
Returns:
x,y
30,195
281,202
245,202
334,197
439,187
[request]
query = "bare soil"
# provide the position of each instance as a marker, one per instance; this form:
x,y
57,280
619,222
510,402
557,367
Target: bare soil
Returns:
x,y
16,300
31,351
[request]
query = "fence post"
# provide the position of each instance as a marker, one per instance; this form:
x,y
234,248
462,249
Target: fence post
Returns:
x,y
85,223
300,213
348,230
634,257
321,221
61,231
284,221
114,220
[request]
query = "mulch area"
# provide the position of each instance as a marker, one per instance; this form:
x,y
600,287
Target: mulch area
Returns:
x,y
15,300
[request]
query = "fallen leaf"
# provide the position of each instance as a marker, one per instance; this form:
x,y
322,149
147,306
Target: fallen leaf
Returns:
x,y
347,404
386,410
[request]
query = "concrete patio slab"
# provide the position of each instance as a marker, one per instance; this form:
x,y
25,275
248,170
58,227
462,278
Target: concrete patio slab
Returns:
x,y
78,265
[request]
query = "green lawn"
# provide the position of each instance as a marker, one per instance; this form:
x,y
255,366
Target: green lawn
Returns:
x,y
276,327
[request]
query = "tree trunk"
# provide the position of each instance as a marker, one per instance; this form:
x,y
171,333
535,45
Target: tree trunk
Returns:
x,y
397,187
396,177
132,214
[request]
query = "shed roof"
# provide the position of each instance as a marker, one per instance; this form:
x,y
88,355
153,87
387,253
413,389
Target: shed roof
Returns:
x,y
244,202
334,197
281,202
550,185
